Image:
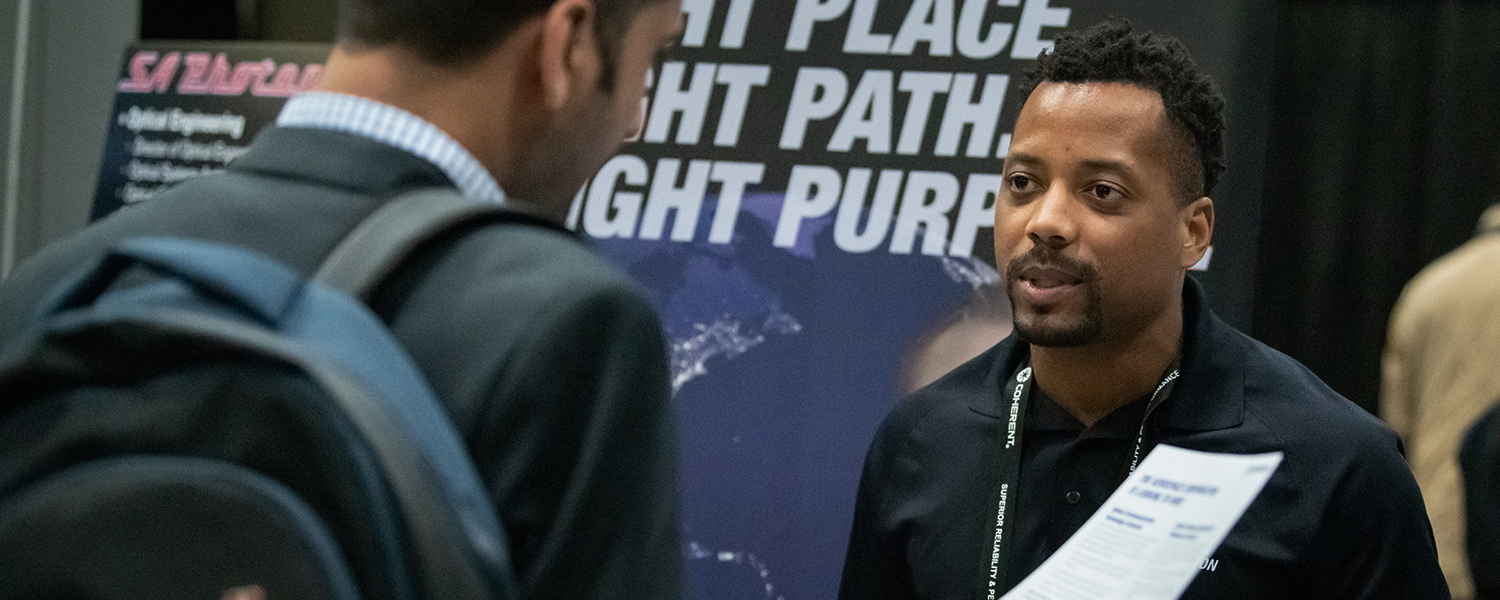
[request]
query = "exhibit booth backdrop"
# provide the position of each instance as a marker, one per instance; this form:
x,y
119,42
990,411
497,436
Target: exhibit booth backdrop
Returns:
x,y
810,202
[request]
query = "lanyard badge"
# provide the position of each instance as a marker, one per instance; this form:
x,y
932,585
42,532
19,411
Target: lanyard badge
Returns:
x,y
1008,468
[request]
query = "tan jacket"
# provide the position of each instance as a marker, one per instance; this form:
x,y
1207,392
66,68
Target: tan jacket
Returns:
x,y
1441,370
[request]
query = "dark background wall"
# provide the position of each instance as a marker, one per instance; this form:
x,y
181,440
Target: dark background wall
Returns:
x,y
280,20
1382,151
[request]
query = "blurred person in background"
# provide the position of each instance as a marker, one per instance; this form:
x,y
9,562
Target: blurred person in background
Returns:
x,y
1440,372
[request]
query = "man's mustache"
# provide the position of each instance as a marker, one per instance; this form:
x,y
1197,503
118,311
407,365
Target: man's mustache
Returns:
x,y
1047,257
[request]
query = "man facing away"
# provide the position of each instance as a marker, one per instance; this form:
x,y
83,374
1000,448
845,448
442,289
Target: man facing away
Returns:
x,y
550,362
1103,208
1438,376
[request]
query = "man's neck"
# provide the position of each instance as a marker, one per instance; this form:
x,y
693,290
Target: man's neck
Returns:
x,y
1091,381
479,104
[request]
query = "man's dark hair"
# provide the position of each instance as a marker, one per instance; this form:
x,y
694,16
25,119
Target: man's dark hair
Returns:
x,y
1111,52
455,32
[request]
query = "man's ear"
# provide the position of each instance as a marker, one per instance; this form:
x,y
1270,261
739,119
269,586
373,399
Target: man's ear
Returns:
x,y
1197,229
567,56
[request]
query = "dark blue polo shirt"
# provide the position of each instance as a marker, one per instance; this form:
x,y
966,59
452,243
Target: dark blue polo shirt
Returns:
x,y
1340,519
1067,473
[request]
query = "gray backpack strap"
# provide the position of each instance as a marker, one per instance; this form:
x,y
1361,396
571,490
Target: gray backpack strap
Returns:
x,y
385,239
380,245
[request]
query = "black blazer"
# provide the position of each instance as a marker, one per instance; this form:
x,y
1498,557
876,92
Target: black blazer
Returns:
x,y
550,361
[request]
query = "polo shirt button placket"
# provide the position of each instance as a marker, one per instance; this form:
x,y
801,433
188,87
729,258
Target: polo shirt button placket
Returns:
x,y
1072,498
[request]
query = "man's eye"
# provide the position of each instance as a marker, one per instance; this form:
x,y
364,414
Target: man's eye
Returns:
x,y
1105,191
1019,182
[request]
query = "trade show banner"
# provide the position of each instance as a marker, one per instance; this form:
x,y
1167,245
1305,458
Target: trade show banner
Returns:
x,y
805,200
183,109
810,202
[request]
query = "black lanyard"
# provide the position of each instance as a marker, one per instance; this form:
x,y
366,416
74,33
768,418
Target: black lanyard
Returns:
x,y
1008,468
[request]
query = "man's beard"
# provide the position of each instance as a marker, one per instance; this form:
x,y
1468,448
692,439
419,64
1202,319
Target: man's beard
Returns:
x,y
1034,328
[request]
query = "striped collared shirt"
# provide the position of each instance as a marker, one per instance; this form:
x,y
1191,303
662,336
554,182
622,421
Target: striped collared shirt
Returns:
x,y
395,127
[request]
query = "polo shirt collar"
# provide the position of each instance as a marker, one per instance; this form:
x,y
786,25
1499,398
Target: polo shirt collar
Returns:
x,y
1208,396
1045,415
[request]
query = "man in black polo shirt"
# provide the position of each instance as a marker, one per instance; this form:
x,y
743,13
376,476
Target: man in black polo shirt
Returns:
x,y
1103,209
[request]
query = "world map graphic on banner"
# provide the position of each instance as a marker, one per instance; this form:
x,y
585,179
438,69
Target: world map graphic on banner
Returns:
x,y
805,202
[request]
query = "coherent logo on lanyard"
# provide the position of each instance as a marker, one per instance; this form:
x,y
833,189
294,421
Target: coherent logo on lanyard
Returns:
x,y
1015,407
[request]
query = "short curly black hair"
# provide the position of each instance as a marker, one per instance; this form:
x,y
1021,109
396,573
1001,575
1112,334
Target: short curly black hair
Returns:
x,y
1112,52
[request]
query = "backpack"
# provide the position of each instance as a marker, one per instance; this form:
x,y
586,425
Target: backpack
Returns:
x,y
1479,462
191,419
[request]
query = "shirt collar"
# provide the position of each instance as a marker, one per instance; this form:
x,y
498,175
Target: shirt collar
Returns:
x,y
1045,414
395,127
1209,396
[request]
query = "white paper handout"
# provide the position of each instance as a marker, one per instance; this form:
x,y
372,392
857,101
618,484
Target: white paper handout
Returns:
x,y
1149,539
